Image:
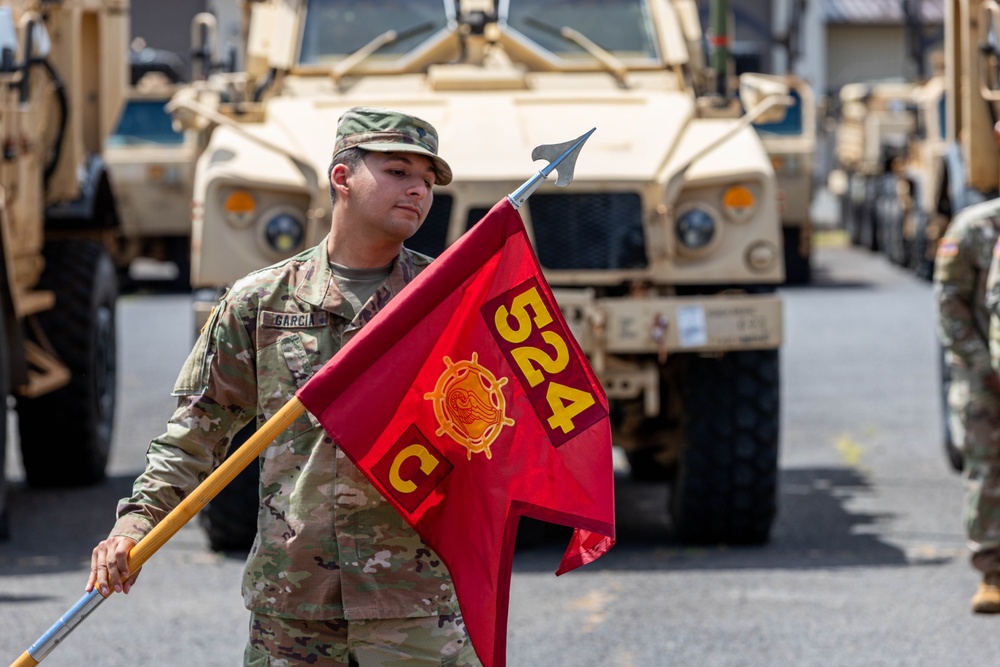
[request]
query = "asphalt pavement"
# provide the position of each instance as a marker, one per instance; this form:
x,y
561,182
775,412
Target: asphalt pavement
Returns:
x,y
866,566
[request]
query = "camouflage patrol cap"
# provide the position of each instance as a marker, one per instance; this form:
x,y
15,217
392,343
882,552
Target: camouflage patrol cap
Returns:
x,y
388,131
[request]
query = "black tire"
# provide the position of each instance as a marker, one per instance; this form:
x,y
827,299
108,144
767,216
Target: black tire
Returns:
x,y
230,518
726,486
850,212
890,223
66,434
797,266
868,218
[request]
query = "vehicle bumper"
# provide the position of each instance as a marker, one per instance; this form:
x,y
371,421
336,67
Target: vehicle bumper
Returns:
x,y
627,339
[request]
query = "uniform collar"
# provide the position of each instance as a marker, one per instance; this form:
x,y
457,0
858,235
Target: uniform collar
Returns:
x,y
319,289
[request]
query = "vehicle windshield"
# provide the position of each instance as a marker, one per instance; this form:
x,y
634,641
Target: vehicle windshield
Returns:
x,y
791,124
145,122
622,27
336,28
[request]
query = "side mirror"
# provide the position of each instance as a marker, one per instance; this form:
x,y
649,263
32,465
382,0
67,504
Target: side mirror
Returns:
x,y
764,97
204,45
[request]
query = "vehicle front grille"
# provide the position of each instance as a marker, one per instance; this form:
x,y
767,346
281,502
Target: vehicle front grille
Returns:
x,y
432,236
589,231
474,216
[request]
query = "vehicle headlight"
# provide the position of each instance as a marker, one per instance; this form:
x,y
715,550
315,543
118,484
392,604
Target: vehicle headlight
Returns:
x,y
283,233
696,229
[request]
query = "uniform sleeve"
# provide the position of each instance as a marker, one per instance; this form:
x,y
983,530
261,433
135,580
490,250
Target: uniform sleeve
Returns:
x,y
955,288
993,307
216,396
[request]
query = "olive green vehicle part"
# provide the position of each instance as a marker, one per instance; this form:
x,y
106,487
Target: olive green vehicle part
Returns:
x,y
664,255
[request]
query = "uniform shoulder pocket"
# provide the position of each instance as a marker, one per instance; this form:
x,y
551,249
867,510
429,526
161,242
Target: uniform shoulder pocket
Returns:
x,y
193,378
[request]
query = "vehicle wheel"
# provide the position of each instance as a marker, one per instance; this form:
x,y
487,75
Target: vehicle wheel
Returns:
x,y
230,518
797,268
850,212
890,216
66,434
868,218
726,487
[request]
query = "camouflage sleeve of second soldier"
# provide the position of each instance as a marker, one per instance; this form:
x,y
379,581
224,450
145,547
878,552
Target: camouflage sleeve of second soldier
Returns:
x,y
993,306
955,286
216,396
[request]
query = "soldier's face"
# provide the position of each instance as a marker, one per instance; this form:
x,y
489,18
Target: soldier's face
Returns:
x,y
392,193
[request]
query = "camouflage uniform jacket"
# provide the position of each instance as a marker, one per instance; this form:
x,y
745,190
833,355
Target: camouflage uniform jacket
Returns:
x,y
960,272
328,545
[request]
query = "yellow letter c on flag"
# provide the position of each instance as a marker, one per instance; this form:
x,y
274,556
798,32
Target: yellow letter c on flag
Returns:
x,y
427,464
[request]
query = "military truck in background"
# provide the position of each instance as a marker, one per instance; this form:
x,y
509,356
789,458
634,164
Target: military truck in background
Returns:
x,y
910,208
664,254
791,145
63,70
875,125
151,166
891,149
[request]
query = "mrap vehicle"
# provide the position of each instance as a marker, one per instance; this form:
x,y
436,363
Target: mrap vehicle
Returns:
x,y
664,254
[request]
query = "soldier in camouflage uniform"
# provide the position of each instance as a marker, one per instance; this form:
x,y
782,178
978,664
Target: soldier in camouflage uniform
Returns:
x,y
335,575
960,281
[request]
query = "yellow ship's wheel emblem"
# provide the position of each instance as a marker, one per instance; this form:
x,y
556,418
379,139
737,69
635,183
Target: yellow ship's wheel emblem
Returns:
x,y
469,405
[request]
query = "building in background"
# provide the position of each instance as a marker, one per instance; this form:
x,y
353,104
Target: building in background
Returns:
x,y
878,40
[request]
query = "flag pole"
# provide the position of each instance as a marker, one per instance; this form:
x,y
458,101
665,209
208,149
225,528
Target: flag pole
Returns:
x,y
166,529
562,159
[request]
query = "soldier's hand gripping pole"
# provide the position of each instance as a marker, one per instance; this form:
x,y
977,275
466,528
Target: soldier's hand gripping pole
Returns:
x,y
561,157
166,529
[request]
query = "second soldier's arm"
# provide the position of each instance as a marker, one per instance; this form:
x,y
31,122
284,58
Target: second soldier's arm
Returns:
x,y
955,281
993,307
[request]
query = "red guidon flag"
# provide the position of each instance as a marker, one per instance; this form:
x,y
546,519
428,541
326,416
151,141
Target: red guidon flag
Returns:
x,y
479,407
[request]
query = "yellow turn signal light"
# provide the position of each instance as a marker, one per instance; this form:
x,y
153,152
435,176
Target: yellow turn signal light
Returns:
x,y
738,203
240,207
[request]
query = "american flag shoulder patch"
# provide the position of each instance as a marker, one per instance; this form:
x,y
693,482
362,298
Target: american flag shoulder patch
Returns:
x,y
949,248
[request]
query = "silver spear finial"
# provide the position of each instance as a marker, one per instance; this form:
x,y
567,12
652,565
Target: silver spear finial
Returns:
x,y
561,157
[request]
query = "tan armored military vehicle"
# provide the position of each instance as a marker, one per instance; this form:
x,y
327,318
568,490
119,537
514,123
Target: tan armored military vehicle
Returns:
x,y
63,75
875,124
911,207
791,143
151,166
663,253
